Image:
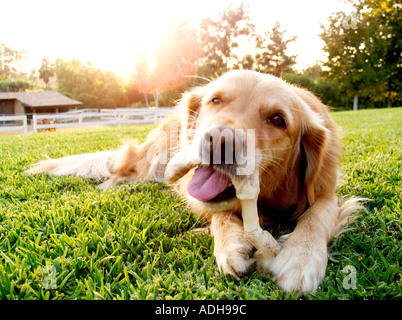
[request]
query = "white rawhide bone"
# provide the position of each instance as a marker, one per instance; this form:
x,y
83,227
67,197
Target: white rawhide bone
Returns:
x,y
247,191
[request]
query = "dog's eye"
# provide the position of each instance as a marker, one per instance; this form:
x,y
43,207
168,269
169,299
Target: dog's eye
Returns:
x,y
216,100
278,120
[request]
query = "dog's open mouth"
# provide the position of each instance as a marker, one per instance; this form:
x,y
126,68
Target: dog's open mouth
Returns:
x,y
209,184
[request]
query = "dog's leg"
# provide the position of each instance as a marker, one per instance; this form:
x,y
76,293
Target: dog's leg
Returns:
x,y
301,263
247,191
232,250
131,162
180,164
92,165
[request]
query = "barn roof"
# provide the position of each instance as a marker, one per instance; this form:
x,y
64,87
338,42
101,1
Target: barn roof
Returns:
x,y
40,98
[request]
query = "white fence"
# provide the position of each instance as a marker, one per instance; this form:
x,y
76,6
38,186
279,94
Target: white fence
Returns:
x,y
94,117
9,123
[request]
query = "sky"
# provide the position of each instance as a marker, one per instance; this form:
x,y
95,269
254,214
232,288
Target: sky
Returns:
x,y
110,34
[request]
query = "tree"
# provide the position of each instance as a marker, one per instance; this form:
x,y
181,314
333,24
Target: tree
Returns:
x,y
221,38
175,64
90,85
14,85
171,65
141,77
347,55
271,52
46,71
364,50
311,78
9,61
385,48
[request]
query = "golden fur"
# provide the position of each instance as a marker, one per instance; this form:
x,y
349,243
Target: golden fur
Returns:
x,y
297,163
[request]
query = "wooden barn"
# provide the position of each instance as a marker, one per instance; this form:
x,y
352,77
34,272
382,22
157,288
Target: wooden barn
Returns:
x,y
19,103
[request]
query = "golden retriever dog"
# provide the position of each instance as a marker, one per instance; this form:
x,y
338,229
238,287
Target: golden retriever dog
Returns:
x,y
242,125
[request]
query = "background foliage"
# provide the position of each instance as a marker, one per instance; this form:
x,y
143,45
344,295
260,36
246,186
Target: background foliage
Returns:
x,y
362,67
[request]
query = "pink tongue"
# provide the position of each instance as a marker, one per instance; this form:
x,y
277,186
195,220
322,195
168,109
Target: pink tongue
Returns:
x,y
207,183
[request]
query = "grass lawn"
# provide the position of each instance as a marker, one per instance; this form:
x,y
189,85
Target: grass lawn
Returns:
x,y
63,238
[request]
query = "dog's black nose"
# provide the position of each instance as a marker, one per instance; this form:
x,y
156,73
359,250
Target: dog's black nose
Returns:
x,y
221,145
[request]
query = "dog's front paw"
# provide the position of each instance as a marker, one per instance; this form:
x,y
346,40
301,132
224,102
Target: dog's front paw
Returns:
x,y
263,261
298,267
235,259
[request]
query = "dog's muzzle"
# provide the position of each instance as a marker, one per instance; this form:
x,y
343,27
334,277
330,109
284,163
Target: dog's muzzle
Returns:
x,y
222,147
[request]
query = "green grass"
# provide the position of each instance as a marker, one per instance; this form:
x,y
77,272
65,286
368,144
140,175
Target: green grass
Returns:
x,y
63,238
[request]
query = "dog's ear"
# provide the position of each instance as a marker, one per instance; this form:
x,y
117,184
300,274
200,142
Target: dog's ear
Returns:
x,y
189,107
314,142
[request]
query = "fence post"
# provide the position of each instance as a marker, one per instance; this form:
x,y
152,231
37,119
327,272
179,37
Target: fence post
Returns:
x,y
25,124
80,120
118,118
35,129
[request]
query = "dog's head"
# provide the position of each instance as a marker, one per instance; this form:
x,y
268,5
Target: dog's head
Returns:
x,y
245,123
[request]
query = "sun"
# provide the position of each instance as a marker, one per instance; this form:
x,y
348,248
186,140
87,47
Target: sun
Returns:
x,y
123,51
139,30
111,36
